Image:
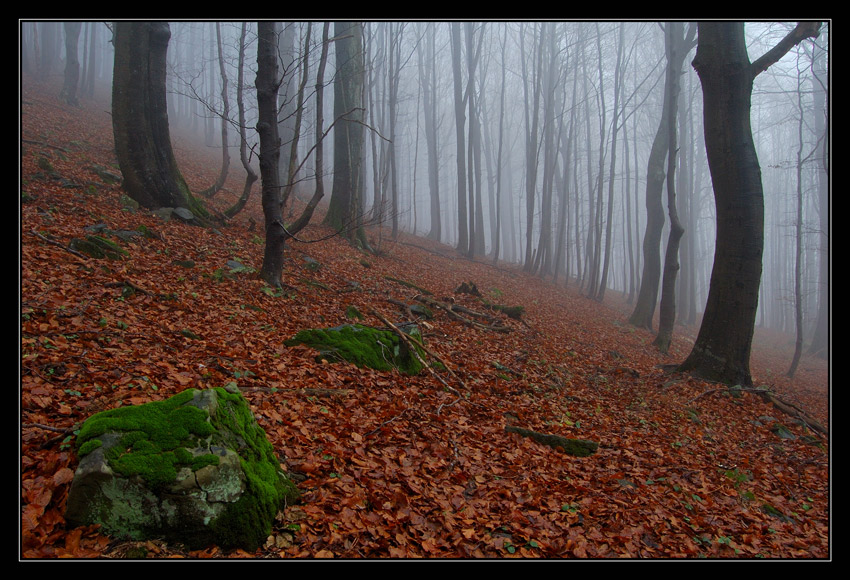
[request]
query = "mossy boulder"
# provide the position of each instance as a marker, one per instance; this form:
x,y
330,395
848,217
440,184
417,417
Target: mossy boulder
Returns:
x,y
362,345
195,469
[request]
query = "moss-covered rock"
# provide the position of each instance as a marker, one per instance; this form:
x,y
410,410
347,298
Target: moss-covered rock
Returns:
x,y
195,469
364,346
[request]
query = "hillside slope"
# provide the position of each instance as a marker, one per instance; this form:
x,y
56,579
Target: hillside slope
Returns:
x,y
391,465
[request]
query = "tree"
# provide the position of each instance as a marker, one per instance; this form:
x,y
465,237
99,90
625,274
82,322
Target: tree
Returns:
x,y
250,175
677,44
464,244
72,63
644,311
140,118
345,206
428,79
225,119
722,349
267,82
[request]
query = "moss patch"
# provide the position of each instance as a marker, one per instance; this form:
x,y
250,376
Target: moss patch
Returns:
x,y
362,345
157,439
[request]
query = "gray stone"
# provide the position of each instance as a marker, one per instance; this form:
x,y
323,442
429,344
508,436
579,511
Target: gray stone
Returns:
x,y
194,469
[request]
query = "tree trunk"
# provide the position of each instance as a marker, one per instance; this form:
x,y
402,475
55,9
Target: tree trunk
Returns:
x,y
722,349
72,63
344,209
250,175
225,119
140,118
267,83
820,339
463,243
667,312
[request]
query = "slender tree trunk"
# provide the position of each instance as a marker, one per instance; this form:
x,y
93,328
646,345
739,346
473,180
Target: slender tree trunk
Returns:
x,y
667,311
72,63
250,175
268,81
463,243
225,120
307,213
820,338
644,311
609,222
429,98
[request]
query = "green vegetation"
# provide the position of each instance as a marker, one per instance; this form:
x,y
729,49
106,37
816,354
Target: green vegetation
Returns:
x,y
158,438
362,345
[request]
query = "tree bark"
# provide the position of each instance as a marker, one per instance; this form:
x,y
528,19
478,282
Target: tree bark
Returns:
x,y
140,118
72,62
267,84
722,349
677,46
344,209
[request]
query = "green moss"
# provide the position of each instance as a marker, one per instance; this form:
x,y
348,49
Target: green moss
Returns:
x,y
362,345
89,446
156,441
269,491
155,437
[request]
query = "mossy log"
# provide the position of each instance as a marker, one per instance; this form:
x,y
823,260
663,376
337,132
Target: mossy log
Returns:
x,y
362,345
577,447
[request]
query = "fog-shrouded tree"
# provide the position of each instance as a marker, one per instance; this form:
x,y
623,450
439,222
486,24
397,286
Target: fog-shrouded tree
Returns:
x,y
680,43
140,118
647,300
72,62
722,349
345,206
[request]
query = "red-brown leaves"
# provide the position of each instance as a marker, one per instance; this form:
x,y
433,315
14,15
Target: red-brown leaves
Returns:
x,y
393,466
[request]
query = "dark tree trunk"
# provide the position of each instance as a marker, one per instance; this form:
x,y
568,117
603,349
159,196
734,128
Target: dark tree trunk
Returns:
x,y
267,83
344,209
677,46
140,118
644,311
722,349
72,63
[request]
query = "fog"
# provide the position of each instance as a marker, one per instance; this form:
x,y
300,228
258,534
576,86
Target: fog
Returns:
x,y
559,120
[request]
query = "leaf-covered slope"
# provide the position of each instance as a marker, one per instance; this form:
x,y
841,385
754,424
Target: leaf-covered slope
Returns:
x,y
391,465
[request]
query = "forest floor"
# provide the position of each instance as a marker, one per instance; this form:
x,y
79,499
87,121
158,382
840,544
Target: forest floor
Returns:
x,y
392,466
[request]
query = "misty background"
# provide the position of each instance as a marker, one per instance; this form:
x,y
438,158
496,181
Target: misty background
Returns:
x,y
562,116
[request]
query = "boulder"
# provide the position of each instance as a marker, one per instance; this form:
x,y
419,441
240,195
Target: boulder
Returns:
x,y
194,469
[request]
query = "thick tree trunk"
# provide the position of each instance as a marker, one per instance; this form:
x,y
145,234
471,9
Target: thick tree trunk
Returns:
x,y
344,210
722,350
140,117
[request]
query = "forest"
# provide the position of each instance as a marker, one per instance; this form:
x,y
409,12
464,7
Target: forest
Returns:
x,y
622,229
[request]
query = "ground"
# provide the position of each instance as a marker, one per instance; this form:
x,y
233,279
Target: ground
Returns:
x,y
391,465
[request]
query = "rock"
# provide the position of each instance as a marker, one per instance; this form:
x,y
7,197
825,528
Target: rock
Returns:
x,y
194,469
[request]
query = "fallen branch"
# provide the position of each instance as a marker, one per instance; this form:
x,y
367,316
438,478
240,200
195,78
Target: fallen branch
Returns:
x,y
453,310
410,341
788,408
577,447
